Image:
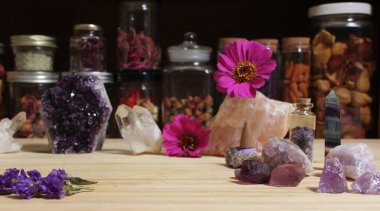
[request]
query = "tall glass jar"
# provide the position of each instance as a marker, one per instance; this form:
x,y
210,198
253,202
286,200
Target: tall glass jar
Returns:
x,y
138,36
296,68
187,81
33,52
302,126
273,86
87,48
343,59
25,92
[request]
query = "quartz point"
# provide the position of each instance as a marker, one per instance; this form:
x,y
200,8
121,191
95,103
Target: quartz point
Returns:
x,y
76,112
236,155
266,118
333,179
7,129
288,175
253,171
278,151
357,159
332,121
368,183
138,129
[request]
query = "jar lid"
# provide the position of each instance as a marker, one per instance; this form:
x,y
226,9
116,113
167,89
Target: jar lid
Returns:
x,y
340,8
139,75
271,43
91,27
286,41
224,40
139,5
106,77
33,40
189,50
32,76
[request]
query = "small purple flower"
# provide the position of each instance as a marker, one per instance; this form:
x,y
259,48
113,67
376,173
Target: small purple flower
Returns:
x,y
26,187
7,180
35,175
53,184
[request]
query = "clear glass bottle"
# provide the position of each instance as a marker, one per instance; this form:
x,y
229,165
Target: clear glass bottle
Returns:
x,y
295,72
138,36
33,52
187,85
302,126
343,59
273,86
25,91
87,48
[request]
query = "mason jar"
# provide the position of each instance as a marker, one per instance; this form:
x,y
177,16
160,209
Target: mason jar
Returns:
x,y
25,91
343,59
137,40
87,48
33,52
187,85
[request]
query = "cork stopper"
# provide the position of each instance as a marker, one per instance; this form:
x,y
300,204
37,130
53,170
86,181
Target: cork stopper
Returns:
x,y
287,41
303,100
246,140
224,40
271,43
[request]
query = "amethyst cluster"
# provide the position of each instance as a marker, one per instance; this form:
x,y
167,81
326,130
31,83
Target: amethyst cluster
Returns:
x,y
76,111
303,137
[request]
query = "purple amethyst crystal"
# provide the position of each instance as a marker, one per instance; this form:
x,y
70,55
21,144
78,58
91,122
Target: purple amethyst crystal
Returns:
x,y
368,183
236,155
76,111
289,175
253,171
333,179
304,138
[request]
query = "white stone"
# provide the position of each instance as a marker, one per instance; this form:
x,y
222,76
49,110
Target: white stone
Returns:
x,y
7,129
138,128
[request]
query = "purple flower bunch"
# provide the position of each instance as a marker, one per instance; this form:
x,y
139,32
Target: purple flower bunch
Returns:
x,y
57,184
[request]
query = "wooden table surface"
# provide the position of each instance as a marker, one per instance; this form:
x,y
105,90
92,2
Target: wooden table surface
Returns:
x,y
158,182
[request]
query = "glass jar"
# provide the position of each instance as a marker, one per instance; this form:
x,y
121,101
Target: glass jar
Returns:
x,y
273,86
142,88
187,81
25,92
343,59
2,82
302,126
108,81
87,48
296,68
137,39
33,52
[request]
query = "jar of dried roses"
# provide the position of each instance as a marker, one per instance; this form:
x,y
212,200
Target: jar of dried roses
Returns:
x,y
343,59
25,91
137,40
187,85
87,48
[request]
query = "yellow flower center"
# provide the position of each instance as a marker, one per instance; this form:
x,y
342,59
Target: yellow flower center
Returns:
x,y
188,142
244,71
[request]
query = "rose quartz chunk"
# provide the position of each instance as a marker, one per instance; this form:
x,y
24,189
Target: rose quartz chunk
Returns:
x,y
287,175
357,159
266,118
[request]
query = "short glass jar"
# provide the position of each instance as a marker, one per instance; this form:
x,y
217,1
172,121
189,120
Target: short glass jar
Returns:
x,y
33,52
87,48
302,126
343,59
137,41
25,92
187,85
142,88
295,72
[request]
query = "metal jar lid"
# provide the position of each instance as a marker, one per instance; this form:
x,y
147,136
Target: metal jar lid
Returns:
x,y
32,77
33,40
106,77
91,27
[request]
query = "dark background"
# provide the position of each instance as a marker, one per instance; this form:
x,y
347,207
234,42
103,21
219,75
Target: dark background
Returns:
x,y
209,19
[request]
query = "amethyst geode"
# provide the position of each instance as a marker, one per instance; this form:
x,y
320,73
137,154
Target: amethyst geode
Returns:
x,y
76,111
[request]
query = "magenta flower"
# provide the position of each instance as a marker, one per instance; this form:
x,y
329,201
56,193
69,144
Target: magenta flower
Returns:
x,y
185,137
243,68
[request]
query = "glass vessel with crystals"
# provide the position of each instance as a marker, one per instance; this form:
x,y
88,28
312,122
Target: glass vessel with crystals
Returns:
x,y
187,81
302,126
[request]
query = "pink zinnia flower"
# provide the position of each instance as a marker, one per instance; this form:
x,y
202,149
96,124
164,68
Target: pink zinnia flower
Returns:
x,y
185,137
243,68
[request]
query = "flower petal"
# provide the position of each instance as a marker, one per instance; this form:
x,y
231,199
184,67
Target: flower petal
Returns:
x,y
226,62
232,52
267,67
258,82
223,80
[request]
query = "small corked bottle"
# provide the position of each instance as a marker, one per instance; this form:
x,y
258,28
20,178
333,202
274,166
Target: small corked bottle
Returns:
x,y
302,126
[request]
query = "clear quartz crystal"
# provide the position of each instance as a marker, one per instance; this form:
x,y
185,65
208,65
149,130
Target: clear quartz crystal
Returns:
x,y
302,126
7,129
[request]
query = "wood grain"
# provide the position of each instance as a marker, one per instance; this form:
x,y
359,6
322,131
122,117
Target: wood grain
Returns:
x,y
157,182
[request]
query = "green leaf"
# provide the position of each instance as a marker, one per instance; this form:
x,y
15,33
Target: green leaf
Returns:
x,y
71,189
80,181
